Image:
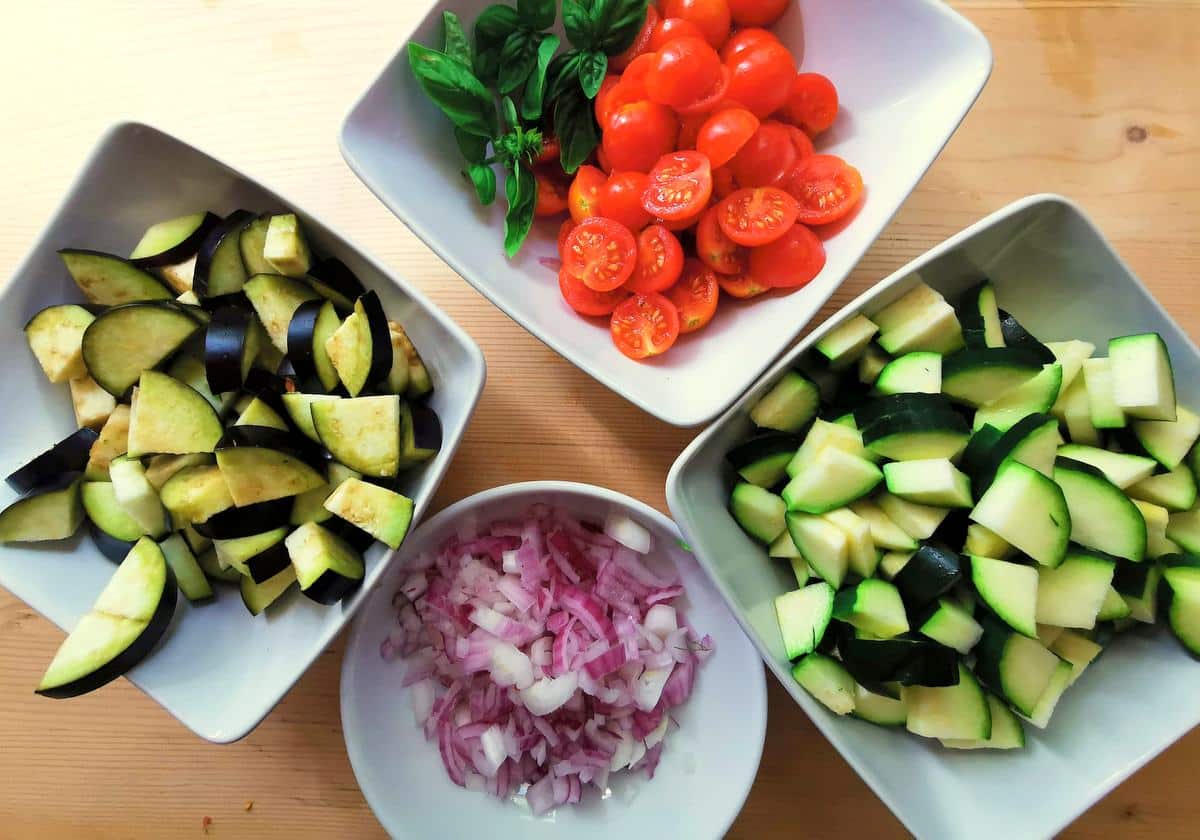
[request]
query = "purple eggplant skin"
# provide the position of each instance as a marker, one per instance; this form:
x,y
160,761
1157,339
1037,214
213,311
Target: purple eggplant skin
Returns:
x,y
233,223
184,250
331,587
270,388
335,282
112,548
224,347
349,533
265,565
132,655
69,455
236,522
264,437
381,337
427,426
301,332
238,299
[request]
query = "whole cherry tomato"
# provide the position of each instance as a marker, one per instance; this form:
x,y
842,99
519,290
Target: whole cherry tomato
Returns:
x,y
743,40
712,16
790,261
756,12
621,199
689,130
668,29
552,190
724,184
550,150
812,103
638,134
687,71
641,43
630,88
800,141
724,133
715,249
583,198
767,158
695,296
761,78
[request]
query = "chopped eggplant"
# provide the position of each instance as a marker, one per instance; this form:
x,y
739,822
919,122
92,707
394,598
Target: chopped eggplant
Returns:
x,y
109,280
219,269
69,455
53,513
55,336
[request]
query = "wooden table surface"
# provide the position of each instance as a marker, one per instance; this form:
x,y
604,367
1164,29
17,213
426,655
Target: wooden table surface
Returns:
x,y
1096,99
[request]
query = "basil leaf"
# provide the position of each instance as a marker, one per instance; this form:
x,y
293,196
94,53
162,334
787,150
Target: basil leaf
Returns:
x,y
575,125
520,188
563,72
472,146
577,21
517,59
535,88
484,179
510,116
537,14
616,23
487,65
592,67
454,89
494,25
456,44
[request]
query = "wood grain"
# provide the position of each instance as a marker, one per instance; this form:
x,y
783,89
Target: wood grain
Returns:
x,y
1095,99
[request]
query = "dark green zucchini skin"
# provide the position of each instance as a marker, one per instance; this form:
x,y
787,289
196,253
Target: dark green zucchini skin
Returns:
x,y
908,659
69,455
1016,335
878,408
928,575
1129,578
762,446
234,523
132,655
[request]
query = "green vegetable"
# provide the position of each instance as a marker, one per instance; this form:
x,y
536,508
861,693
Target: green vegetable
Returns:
x,y
455,90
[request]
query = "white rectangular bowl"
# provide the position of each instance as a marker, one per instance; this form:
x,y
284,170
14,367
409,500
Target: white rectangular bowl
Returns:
x,y
907,71
219,670
1054,271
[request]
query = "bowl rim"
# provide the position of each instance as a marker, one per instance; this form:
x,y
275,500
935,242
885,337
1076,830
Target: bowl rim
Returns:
x,y
756,692
121,132
611,378
674,490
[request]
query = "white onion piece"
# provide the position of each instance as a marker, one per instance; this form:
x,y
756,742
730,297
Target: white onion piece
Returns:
x,y
649,687
509,562
621,754
658,733
510,666
628,533
550,693
422,699
639,752
660,620
494,751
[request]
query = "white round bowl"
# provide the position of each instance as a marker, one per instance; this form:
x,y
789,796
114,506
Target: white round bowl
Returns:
x,y
708,763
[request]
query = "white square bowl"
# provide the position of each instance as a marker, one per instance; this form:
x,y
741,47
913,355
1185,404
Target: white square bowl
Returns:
x,y
907,71
219,669
1054,271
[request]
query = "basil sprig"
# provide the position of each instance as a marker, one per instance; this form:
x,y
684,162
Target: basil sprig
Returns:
x,y
515,58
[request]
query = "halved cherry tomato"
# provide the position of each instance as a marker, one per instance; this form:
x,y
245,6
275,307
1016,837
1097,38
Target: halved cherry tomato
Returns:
x,y
552,190
695,296
741,286
686,71
600,252
587,301
743,40
767,158
715,249
550,150
621,199
564,229
659,261
724,184
724,133
584,196
756,216
668,29
789,262
756,12
638,134
716,98
712,16
644,325
812,103
689,130
680,225
680,186
600,106
640,44
801,141
827,188
761,78
630,88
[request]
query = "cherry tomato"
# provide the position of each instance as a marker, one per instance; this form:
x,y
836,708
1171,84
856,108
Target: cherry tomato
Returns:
x,y
712,16
715,249
638,134
724,133
689,130
789,262
743,40
756,12
756,216
827,188
800,141
552,190
583,198
716,98
724,184
630,88
640,44
766,159
695,296
586,301
602,160
659,261
680,186
550,150
812,103
740,286
565,228
600,252
669,28
761,78
621,199
644,325
687,70
601,104
680,225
